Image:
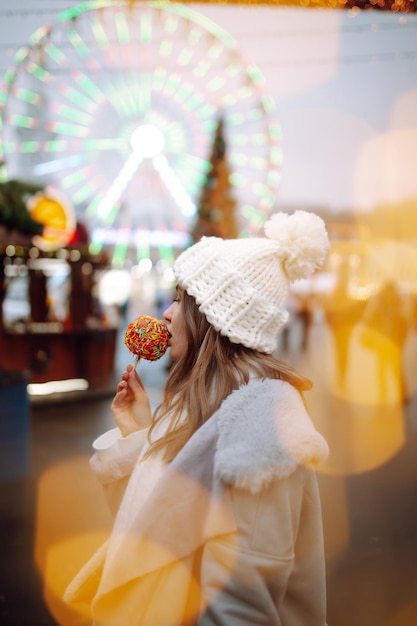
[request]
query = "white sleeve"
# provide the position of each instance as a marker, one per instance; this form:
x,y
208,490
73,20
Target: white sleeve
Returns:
x,y
112,445
113,462
115,456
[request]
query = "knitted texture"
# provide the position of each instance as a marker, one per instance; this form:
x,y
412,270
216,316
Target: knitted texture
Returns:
x,y
242,285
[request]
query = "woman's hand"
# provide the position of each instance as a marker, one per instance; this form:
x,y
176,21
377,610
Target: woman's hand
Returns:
x,y
130,407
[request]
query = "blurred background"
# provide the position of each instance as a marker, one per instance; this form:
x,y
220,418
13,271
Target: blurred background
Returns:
x,y
128,130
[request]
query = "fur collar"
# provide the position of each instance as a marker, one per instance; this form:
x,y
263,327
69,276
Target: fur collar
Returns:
x,y
265,432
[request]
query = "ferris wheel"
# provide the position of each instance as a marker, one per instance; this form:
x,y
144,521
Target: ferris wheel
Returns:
x,y
115,105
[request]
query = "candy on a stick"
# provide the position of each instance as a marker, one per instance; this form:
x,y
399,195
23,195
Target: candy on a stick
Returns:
x,y
147,338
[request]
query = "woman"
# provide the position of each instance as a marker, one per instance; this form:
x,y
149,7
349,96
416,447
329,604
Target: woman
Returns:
x,y
218,516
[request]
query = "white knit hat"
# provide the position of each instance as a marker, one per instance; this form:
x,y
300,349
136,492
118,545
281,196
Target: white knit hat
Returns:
x,y
242,285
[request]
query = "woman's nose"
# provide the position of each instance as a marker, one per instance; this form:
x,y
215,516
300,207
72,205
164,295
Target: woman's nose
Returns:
x,y
167,314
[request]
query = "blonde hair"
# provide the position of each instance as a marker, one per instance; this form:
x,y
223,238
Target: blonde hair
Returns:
x,y
210,370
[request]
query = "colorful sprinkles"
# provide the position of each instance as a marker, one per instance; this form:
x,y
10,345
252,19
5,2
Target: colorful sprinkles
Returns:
x,y
147,338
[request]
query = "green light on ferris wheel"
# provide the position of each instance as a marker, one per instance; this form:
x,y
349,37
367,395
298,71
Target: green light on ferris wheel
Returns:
x,y
171,24
202,69
99,33
255,75
273,178
84,192
28,147
78,98
73,179
21,55
78,43
26,95
165,49
61,128
23,121
185,56
194,36
172,84
233,69
39,72
54,53
89,87
119,254
74,114
276,156
158,78
95,247
122,29
146,29
55,145
258,163
183,92
216,83
39,34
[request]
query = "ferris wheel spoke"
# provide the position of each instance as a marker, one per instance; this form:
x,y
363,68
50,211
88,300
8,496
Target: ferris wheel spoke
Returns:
x,y
174,186
118,186
57,165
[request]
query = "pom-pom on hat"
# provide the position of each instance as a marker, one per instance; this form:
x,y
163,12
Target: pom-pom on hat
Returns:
x,y
242,285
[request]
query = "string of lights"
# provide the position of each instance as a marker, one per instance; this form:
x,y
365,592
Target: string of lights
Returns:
x,y
396,6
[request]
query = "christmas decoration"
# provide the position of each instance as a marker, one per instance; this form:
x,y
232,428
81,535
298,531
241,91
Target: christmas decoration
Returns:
x,y
217,207
14,212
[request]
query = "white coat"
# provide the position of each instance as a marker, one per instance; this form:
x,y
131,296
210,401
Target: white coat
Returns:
x,y
231,533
